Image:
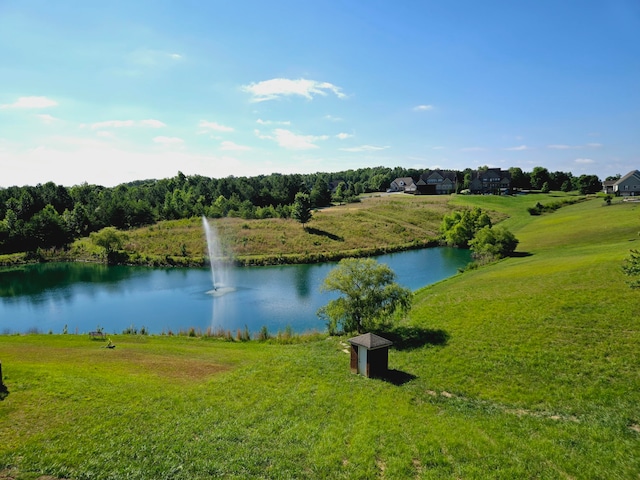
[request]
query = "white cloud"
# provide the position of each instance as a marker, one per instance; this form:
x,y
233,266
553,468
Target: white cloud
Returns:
x,y
152,123
168,140
46,118
292,141
146,57
31,102
423,108
280,87
125,124
364,148
214,126
232,146
104,134
575,147
343,136
517,149
584,161
112,124
272,122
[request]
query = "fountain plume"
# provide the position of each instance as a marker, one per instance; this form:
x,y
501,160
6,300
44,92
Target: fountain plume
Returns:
x,y
216,261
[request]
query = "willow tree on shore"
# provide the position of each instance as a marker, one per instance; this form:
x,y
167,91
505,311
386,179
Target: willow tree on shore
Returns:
x,y
370,297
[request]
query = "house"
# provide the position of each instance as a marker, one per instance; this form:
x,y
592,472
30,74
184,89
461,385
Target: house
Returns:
x,y
370,355
492,180
437,182
607,186
629,185
402,184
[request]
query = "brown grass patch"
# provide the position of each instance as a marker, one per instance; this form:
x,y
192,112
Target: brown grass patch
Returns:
x,y
168,366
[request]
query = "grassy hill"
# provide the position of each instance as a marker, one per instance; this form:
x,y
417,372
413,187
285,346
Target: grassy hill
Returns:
x,y
531,372
378,224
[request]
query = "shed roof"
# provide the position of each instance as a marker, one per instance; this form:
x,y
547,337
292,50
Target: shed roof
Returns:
x,y
370,341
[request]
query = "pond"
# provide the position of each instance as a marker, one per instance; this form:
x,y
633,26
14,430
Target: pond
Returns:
x,y
79,298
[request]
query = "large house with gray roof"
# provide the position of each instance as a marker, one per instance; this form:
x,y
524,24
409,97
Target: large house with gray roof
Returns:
x,y
629,185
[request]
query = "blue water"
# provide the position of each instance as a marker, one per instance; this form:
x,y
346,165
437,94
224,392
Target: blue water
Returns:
x,y
82,297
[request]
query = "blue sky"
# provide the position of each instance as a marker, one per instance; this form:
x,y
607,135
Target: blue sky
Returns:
x,y
109,92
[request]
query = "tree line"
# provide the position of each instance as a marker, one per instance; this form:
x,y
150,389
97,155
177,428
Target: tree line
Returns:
x,y
49,215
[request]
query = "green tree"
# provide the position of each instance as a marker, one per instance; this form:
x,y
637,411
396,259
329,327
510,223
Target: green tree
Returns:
x,y
110,239
320,193
47,229
519,179
301,208
631,268
490,243
539,176
459,227
370,297
589,184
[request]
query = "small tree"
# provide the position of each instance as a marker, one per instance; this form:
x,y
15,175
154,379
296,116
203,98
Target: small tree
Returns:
x,y
370,296
631,267
458,228
490,243
301,208
110,239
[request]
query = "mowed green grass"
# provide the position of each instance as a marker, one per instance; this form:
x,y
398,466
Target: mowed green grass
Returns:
x,y
538,378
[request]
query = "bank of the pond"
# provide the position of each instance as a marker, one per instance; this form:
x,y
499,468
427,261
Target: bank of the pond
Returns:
x,y
145,260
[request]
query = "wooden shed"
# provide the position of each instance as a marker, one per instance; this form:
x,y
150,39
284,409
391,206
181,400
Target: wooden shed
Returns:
x,y
370,355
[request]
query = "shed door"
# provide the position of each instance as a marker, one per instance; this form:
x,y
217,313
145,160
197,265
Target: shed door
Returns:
x,y
362,360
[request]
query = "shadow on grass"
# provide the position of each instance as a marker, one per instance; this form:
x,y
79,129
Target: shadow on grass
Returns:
x,y
398,377
4,392
407,338
323,233
520,254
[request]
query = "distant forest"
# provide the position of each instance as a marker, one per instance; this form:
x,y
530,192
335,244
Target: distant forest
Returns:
x,y
50,215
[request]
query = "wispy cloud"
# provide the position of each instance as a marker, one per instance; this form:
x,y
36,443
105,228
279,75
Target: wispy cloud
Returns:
x,y
126,124
31,102
46,118
232,146
168,140
214,126
282,87
146,57
574,147
292,141
517,149
344,136
272,122
152,123
584,161
423,108
364,148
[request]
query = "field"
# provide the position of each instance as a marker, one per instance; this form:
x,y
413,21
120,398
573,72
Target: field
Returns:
x,y
378,224
526,368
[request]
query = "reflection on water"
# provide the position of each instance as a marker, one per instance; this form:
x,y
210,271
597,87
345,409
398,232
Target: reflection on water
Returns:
x,y
86,296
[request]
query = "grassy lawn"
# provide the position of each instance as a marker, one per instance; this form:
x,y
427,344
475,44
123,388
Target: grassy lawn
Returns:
x,y
538,378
